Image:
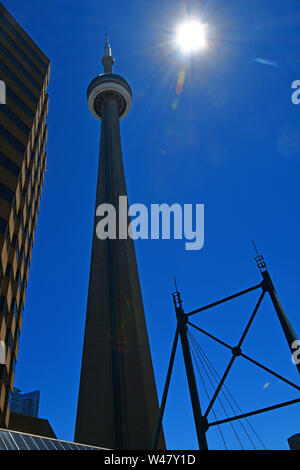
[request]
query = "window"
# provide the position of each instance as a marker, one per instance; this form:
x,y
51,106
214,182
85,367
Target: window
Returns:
x,y
3,225
20,282
14,208
9,272
6,193
9,165
9,339
14,308
13,365
3,306
11,139
16,245
22,105
3,372
12,116
18,332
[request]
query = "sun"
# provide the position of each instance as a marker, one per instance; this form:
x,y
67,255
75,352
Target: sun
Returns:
x,y
191,36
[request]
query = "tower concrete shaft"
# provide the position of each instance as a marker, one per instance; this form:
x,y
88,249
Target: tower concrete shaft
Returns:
x,y
117,404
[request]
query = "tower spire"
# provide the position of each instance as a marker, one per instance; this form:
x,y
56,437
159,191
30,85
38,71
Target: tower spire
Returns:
x,y
107,47
107,60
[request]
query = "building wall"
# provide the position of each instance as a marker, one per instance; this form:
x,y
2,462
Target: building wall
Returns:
x,y
23,135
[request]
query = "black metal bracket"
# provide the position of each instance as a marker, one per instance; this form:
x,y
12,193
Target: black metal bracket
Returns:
x,y
201,421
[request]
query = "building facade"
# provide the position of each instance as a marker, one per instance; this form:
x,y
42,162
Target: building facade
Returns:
x,y
24,71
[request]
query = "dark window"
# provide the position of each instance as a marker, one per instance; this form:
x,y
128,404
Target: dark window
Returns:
x,y
9,339
19,441
12,140
9,272
3,372
15,119
6,193
14,307
3,306
22,105
9,165
3,225
7,440
13,365
20,282
30,442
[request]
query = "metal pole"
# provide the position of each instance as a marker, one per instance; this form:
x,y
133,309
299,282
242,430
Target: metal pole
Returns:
x,y
201,423
287,328
165,393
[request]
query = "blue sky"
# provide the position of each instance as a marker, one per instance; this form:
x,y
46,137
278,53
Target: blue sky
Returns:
x,y
230,139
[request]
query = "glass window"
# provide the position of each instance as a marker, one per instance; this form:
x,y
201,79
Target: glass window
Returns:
x,y
3,225
2,444
57,445
11,139
12,116
73,446
49,444
3,305
19,441
39,443
30,442
20,282
9,443
9,165
9,338
15,308
65,445
6,193
18,100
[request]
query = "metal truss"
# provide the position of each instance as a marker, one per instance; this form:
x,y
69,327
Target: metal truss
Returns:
x,y
202,424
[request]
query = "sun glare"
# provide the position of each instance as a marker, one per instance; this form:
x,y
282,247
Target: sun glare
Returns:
x,y
191,36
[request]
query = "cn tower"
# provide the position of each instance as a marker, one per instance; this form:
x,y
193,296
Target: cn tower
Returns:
x,y
117,402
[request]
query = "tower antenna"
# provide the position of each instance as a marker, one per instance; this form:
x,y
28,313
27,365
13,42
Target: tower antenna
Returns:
x,y
175,283
254,246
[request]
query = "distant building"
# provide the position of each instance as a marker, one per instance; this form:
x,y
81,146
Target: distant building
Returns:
x,y
25,403
24,70
294,442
